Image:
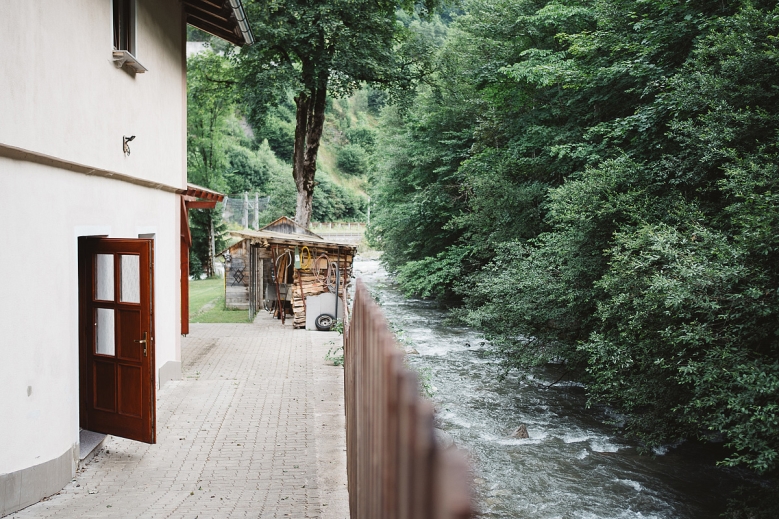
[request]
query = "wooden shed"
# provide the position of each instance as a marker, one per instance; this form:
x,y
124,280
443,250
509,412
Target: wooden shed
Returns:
x,y
287,270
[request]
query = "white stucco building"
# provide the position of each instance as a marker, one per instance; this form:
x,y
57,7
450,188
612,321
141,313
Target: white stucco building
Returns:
x,y
91,326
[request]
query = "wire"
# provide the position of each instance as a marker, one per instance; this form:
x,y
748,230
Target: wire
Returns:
x,y
318,269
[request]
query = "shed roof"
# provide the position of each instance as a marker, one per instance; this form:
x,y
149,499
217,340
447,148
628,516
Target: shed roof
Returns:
x,y
289,239
225,19
286,225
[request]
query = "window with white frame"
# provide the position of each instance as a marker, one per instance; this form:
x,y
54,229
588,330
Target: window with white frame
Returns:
x,y
124,21
124,25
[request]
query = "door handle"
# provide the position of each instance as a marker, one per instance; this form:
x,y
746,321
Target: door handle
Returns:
x,y
142,341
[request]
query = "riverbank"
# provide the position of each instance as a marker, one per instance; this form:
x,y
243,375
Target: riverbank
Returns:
x,y
573,464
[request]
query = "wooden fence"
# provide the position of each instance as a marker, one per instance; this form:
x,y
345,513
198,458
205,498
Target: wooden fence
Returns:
x,y
395,468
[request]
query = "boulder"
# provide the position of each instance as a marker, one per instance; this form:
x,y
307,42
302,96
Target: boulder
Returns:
x,y
520,432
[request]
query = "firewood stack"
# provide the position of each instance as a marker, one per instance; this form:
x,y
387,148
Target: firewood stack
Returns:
x,y
313,286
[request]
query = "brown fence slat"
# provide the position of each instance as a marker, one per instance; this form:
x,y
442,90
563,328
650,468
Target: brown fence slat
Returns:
x,y
395,469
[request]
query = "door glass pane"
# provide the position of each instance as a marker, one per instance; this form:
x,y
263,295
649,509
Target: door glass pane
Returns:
x,y
105,331
105,277
131,279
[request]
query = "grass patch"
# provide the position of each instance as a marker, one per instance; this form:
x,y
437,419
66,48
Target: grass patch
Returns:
x,y
207,303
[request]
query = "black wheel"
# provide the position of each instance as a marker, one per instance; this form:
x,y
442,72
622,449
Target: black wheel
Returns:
x,y
324,322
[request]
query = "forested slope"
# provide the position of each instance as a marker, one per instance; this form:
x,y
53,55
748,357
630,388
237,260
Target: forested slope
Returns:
x,y
596,182
232,153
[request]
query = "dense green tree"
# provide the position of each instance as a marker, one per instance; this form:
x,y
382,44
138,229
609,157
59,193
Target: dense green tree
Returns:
x,y
352,160
314,48
597,179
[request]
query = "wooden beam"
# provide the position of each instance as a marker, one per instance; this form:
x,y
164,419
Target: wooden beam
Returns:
x,y
201,204
213,4
26,155
217,13
214,29
186,243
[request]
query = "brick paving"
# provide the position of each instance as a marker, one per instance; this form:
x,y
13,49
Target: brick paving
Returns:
x,y
235,437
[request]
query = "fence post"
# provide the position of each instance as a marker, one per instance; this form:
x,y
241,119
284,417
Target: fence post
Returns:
x,y
256,222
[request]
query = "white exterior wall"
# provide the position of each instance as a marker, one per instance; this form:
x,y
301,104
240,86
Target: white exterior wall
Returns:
x,y
39,307
61,96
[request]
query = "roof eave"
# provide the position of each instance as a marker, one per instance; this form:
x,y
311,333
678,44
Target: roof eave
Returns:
x,y
225,19
243,22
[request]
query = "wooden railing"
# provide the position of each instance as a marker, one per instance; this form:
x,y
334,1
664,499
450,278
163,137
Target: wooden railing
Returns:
x,y
395,468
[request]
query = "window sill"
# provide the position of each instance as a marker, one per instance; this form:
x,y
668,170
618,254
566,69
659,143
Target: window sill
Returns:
x,y
123,58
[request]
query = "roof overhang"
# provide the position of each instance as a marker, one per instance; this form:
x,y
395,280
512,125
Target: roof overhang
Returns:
x,y
225,19
198,197
277,238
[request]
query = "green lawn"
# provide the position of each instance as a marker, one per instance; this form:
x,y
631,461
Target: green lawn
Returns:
x,y
207,303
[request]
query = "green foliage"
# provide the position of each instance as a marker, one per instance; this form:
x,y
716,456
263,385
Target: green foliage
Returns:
x,y
336,353
311,50
195,265
598,181
278,128
211,102
200,223
352,160
364,137
377,99
434,277
333,202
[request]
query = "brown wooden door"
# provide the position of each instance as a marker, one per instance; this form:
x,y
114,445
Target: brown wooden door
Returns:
x,y
116,290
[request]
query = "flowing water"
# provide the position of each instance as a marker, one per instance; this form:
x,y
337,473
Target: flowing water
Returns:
x,y
573,465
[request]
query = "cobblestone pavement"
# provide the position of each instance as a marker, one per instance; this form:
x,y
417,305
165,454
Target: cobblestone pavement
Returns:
x,y
235,438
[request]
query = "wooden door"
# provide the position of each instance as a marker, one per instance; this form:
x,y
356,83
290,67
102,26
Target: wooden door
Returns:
x,y
116,290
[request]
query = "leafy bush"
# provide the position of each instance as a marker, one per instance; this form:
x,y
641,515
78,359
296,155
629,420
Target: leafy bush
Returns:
x,y
333,202
352,160
612,169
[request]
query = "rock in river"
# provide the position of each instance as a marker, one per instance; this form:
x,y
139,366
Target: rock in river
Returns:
x,y
521,432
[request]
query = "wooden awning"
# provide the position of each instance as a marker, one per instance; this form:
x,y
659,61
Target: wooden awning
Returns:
x,y
197,197
194,197
224,19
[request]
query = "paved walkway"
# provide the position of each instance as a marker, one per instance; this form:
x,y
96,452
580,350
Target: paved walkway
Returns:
x,y
255,429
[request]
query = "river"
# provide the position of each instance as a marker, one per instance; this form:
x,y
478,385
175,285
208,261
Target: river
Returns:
x,y
573,465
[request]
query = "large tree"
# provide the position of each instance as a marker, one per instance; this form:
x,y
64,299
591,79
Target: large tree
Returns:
x,y
321,47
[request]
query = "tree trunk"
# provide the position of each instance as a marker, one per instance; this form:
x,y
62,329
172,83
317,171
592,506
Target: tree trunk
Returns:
x,y
310,121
